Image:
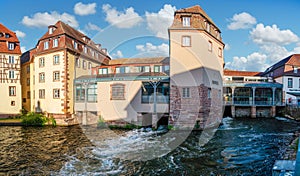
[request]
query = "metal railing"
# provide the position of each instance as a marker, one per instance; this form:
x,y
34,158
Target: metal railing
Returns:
x,y
256,103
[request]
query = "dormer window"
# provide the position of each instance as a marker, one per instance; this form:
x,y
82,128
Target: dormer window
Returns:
x,y
11,46
7,35
46,45
186,21
207,27
75,45
51,30
295,69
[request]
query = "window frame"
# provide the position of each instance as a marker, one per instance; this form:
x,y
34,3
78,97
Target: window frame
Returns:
x,y
184,40
290,83
186,21
55,43
11,59
41,62
40,77
120,94
56,93
56,59
186,92
12,91
11,74
54,76
46,45
210,46
42,93
11,46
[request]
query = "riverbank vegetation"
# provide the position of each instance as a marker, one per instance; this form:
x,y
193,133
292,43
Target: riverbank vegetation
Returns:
x,y
291,112
36,119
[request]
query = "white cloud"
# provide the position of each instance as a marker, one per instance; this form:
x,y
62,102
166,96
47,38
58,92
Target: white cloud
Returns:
x,y
45,19
85,9
92,27
118,54
241,21
159,22
149,49
272,34
20,34
227,47
253,62
23,49
127,19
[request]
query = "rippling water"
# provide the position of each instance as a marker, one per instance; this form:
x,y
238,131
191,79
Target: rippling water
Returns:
x,y
239,147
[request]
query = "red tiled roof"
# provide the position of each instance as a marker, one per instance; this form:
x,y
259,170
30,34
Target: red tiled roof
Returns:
x,y
294,60
150,60
240,73
4,41
195,9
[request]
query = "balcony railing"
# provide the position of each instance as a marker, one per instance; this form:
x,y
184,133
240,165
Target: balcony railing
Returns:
x,y
256,103
159,99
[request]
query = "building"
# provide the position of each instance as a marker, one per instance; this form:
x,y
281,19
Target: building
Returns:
x,y
10,84
196,69
123,92
61,55
249,94
287,73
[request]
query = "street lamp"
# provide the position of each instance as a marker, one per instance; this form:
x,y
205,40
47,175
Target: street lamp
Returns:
x,y
154,84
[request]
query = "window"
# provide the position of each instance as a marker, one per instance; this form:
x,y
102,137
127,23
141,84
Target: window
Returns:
x,y
7,35
92,93
55,43
210,46
85,49
141,69
11,74
41,93
51,30
209,93
11,46
42,77
162,95
42,62
90,65
28,94
11,59
78,62
12,103
103,71
75,45
186,92
207,27
186,21
56,76
56,93
156,68
24,100
28,69
290,82
220,52
117,92
28,81
46,45
295,69
83,64
186,41
55,59
80,92
12,90
299,83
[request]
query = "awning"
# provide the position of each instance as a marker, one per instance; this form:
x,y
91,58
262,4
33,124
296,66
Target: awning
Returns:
x,y
297,94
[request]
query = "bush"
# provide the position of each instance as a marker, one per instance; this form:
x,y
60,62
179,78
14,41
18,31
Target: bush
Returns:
x,y
34,119
101,122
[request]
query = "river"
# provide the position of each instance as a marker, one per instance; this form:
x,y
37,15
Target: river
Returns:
x,y
238,147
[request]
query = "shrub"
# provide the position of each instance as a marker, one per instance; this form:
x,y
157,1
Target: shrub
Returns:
x,y
34,119
101,122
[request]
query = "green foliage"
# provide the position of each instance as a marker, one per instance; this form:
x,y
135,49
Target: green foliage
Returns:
x,y
171,127
34,119
101,122
53,121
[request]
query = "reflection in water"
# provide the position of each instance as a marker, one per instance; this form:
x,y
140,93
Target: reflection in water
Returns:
x,y
240,146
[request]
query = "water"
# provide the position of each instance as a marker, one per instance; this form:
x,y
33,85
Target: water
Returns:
x,y
239,147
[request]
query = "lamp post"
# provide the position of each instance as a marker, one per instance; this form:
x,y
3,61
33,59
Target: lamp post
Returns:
x,y
154,84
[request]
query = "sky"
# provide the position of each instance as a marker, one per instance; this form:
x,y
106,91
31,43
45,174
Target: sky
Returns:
x,y
256,33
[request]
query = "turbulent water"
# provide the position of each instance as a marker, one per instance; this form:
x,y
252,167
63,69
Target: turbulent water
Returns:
x,y
238,147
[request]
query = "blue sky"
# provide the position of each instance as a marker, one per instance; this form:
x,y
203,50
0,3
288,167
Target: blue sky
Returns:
x,y
257,33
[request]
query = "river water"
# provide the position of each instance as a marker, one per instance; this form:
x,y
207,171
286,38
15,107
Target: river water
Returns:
x,y
238,147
